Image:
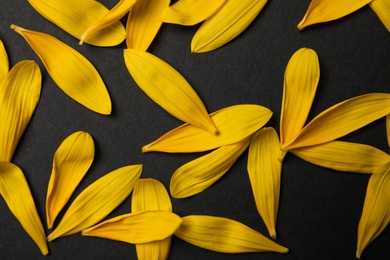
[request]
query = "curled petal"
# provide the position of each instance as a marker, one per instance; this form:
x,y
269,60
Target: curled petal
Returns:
x,y
234,123
16,193
199,174
97,201
4,64
71,71
224,235
71,161
382,10
169,88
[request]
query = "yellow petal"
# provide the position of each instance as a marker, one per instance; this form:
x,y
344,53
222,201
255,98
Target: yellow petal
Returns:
x,y
168,88
225,25
110,18
199,174
224,235
234,123
75,17
71,161
19,95
388,128
143,23
264,171
150,194
97,201
382,10
15,191
320,11
343,156
4,64
300,85
376,210
341,119
135,228
70,70
191,12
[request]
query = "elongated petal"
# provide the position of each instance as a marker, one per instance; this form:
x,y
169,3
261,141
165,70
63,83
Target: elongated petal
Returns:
x,y
225,25
320,11
4,64
70,70
110,18
300,85
234,123
343,156
224,235
191,12
19,95
150,194
341,119
388,128
199,174
143,23
382,10
136,228
16,192
168,88
71,161
97,201
75,17
376,210
264,171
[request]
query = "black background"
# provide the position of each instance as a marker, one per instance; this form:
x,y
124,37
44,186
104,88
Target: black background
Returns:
x,y
319,208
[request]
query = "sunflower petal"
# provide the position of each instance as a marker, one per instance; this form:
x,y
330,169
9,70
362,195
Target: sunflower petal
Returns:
x,y
97,201
388,128
71,71
376,210
168,88
234,123
320,11
75,17
224,235
71,161
382,10
264,171
15,191
341,119
111,17
199,174
144,22
191,12
136,228
4,64
343,156
225,25
19,95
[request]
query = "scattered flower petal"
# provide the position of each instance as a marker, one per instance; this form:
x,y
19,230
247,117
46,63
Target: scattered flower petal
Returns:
x,y
382,10
4,65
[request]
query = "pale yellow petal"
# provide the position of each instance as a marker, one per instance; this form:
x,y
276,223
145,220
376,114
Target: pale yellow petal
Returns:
x,y
70,70
16,193
191,12
225,25
382,10
341,119
144,22
168,88
199,174
234,123
71,162
320,11
137,228
19,95
343,156
76,16
97,201
264,171
224,235
4,64
376,210
110,18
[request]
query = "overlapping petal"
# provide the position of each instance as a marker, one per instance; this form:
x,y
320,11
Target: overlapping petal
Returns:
x,y
4,64
382,10
70,70
168,88
234,123
71,162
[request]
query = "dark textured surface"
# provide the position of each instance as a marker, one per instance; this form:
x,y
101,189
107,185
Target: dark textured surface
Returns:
x,y
319,208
